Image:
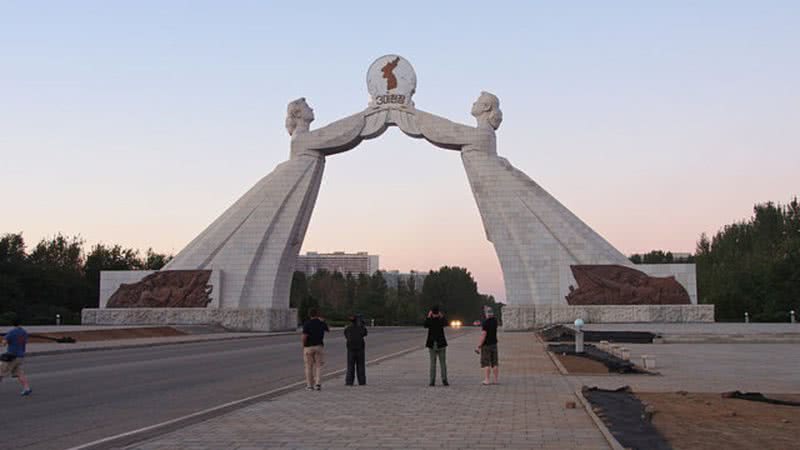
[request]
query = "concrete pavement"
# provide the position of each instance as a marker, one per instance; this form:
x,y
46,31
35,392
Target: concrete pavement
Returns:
x,y
766,368
398,410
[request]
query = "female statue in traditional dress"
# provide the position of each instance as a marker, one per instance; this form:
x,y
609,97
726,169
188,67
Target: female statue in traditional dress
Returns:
x,y
536,238
256,241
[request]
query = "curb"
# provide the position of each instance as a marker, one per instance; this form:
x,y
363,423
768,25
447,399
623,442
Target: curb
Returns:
x,y
598,422
150,344
561,369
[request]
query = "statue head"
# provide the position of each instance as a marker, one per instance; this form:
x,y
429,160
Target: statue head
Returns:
x,y
487,110
298,116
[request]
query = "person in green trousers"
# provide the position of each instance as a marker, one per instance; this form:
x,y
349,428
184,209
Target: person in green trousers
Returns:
x,y
437,343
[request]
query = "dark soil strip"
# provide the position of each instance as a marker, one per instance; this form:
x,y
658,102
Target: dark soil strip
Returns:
x,y
625,417
560,333
758,397
614,364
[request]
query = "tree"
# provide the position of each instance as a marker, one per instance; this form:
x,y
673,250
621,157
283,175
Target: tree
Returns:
x,y
753,266
455,291
659,257
299,289
155,261
60,252
12,249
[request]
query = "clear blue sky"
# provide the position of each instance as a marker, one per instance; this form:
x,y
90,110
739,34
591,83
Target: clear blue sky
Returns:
x,y
139,122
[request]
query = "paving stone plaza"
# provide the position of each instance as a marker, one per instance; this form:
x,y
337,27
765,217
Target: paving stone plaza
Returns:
x,y
526,410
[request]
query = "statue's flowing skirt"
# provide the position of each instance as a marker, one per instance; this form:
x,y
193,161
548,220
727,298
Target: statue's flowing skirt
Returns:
x,y
536,238
255,242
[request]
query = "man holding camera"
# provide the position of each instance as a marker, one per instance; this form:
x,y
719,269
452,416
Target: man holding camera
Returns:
x,y
354,335
436,343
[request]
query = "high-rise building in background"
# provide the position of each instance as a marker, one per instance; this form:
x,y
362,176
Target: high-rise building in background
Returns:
x,y
355,263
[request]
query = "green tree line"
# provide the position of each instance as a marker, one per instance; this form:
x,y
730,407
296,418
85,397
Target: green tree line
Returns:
x,y
753,265
59,277
660,257
337,296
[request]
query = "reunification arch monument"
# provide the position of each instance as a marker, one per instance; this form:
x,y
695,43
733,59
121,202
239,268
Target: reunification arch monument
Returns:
x,y
238,271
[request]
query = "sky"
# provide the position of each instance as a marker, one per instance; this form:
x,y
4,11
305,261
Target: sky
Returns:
x,y
139,122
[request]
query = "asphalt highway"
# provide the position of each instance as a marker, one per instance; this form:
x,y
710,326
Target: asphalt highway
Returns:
x,y
81,397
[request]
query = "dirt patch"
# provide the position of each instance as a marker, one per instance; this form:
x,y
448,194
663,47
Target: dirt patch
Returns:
x,y
612,363
106,335
577,364
710,422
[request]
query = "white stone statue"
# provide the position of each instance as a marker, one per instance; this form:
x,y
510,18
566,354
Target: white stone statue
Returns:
x,y
256,241
252,247
536,238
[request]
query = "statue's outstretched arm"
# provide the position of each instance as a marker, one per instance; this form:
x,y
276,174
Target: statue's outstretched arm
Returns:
x,y
338,136
442,132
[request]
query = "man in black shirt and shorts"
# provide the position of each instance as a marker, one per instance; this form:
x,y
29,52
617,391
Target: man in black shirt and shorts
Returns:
x,y
488,347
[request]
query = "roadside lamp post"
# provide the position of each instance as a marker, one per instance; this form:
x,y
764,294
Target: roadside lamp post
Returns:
x,y
578,336
746,317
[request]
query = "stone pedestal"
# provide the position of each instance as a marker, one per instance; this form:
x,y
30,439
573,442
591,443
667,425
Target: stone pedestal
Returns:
x,y
232,319
526,317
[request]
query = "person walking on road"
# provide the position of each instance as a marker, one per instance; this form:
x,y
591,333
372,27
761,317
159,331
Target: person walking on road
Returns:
x,y
435,322
313,349
11,360
354,333
487,347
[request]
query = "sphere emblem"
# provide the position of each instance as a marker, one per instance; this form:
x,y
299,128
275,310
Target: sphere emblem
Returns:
x,y
391,80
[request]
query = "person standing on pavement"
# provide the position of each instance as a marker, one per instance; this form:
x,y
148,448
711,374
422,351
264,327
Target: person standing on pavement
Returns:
x,y
435,322
354,333
11,360
313,349
487,347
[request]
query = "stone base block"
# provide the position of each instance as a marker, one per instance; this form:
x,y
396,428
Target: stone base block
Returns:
x,y
519,317
232,319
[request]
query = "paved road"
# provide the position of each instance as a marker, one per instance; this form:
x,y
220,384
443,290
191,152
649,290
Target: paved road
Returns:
x,y
81,397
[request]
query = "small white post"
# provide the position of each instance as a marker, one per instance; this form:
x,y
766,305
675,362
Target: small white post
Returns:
x,y
578,336
58,319
791,315
746,317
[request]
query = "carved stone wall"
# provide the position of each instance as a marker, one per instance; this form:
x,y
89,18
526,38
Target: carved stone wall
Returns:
x,y
611,284
527,317
232,319
165,289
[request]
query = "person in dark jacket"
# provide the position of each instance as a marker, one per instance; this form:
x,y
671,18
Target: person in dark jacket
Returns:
x,y
354,333
436,343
